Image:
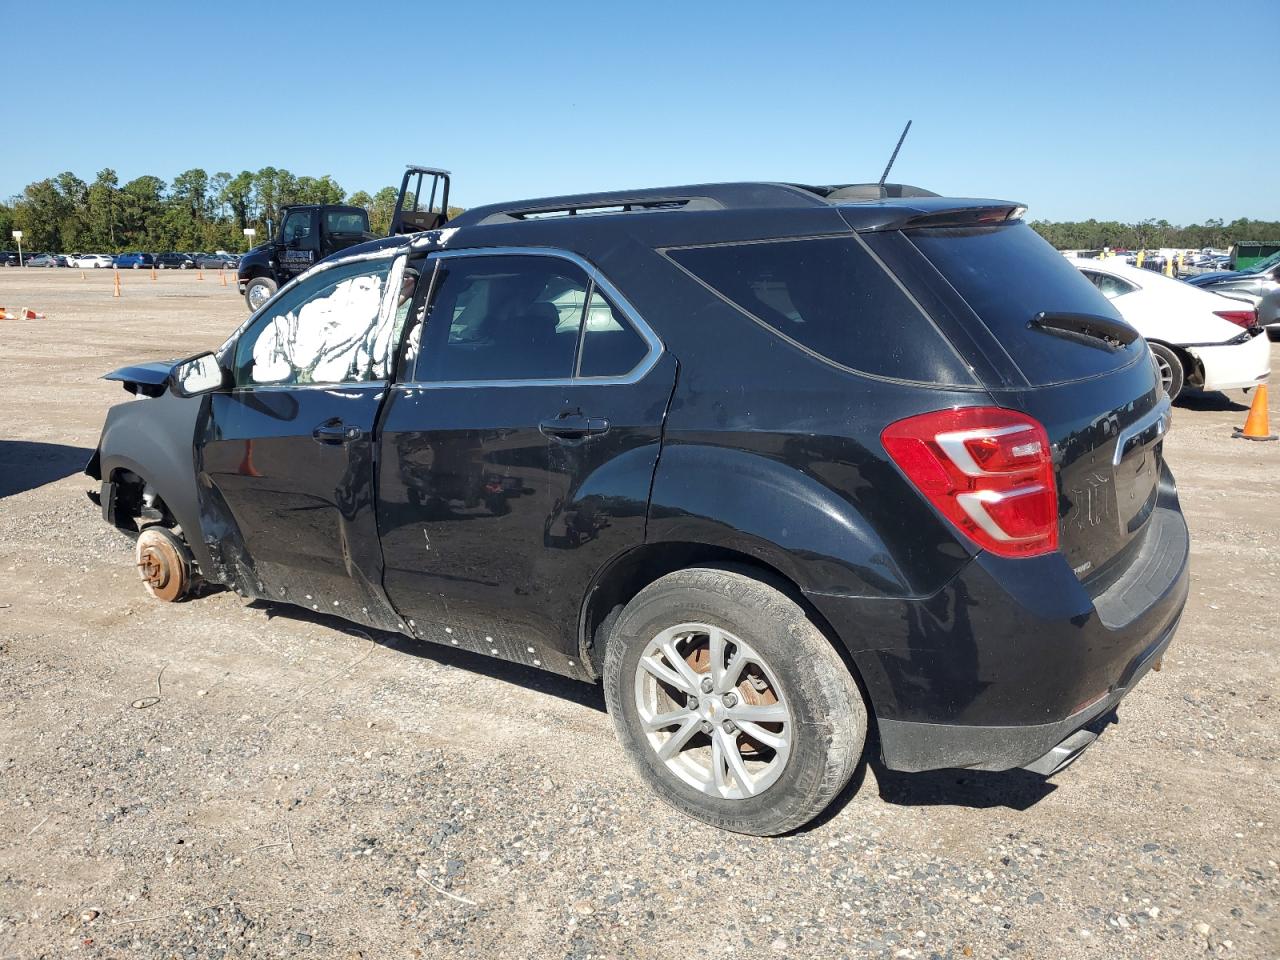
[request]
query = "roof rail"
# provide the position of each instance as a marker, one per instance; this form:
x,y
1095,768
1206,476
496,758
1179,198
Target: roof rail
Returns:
x,y
703,196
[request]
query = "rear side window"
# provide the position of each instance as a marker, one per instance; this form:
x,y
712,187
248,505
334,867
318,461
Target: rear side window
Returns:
x,y
1110,287
1007,275
347,222
829,296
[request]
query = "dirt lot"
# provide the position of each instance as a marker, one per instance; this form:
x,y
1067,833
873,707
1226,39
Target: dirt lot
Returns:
x,y
301,790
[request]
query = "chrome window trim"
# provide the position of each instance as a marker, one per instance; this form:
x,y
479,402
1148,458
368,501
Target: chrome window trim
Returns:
x,y
634,375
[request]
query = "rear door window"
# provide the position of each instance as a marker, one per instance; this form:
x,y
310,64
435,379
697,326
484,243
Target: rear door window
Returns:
x,y
829,296
611,347
504,317
1008,275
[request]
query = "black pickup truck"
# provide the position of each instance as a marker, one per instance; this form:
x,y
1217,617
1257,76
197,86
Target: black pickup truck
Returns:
x,y
310,232
307,234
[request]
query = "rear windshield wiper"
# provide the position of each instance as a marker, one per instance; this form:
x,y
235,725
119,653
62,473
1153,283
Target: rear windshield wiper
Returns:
x,y
1086,327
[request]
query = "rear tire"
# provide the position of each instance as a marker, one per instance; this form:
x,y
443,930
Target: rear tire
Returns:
x,y
1172,376
771,690
259,291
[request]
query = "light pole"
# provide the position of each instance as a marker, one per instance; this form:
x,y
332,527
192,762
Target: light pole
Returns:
x,y
249,234
17,235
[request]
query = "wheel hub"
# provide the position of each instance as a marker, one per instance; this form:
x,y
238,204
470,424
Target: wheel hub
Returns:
x,y
162,570
713,711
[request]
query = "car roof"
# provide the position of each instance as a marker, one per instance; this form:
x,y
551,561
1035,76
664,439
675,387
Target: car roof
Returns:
x,y
865,206
593,223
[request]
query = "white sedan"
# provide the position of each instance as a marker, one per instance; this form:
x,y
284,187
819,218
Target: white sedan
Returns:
x,y
1198,339
93,261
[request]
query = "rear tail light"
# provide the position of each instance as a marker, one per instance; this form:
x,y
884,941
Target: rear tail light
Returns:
x,y
987,470
1241,318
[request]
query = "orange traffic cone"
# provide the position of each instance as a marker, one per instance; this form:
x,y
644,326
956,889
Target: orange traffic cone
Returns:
x,y
199,273
117,291
28,314
223,271
153,271
2,314
247,469
1255,425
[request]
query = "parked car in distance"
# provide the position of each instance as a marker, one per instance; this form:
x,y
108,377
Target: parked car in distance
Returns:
x,y
134,261
1197,338
771,463
94,261
9,258
214,261
1251,285
44,260
175,261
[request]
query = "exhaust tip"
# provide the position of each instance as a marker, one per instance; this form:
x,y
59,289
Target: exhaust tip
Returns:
x,y
1063,755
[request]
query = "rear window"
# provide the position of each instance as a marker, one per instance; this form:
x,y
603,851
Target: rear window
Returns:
x,y
1008,274
345,222
831,297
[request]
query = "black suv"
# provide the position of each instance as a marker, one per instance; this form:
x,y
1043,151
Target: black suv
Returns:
x,y
783,466
175,261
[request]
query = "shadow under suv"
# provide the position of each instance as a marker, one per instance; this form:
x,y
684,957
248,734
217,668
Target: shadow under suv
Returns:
x,y
774,463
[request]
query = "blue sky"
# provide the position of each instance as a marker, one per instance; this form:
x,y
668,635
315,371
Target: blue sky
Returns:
x,y
1114,111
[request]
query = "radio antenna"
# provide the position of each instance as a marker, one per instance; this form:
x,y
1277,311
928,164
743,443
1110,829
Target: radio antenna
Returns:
x,y
885,176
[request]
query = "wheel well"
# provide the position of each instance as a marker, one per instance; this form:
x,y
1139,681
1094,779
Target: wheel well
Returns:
x,y
627,576
136,499
1192,370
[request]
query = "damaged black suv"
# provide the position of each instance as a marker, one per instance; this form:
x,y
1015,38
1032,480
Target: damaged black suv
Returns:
x,y
789,469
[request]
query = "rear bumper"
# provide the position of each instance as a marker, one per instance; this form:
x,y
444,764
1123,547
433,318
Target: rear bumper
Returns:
x,y
912,746
1013,656
1234,366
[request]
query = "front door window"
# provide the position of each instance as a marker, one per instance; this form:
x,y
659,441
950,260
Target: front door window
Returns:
x,y
332,328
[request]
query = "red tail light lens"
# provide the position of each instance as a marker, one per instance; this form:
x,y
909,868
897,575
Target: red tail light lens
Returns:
x,y
986,469
1242,318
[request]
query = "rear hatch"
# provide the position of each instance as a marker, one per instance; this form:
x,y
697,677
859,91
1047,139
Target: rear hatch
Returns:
x,y
1047,343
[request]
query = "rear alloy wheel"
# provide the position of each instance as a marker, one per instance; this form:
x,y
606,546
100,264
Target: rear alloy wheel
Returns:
x,y
732,705
165,564
1169,368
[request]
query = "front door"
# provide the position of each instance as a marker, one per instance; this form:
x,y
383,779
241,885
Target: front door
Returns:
x,y
299,243
516,454
290,448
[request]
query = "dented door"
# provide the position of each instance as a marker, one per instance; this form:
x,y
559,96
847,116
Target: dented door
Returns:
x,y
289,451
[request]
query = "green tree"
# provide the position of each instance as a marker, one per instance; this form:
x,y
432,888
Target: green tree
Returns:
x,y
382,208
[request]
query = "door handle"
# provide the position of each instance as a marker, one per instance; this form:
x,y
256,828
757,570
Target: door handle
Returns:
x,y
335,431
573,428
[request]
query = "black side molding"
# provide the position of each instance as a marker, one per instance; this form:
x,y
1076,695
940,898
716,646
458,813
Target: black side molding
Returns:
x,y
1086,327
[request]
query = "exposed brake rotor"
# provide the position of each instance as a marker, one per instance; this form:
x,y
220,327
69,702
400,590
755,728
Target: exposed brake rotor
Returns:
x,y
165,572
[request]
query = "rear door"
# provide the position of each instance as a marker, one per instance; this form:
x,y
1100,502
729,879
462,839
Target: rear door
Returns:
x,y
516,455
1044,340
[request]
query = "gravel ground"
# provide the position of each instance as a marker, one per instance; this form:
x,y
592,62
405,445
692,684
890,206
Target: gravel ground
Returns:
x,y
222,779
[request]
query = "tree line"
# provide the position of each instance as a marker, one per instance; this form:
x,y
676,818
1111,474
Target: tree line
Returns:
x,y
1153,234
202,211
196,211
